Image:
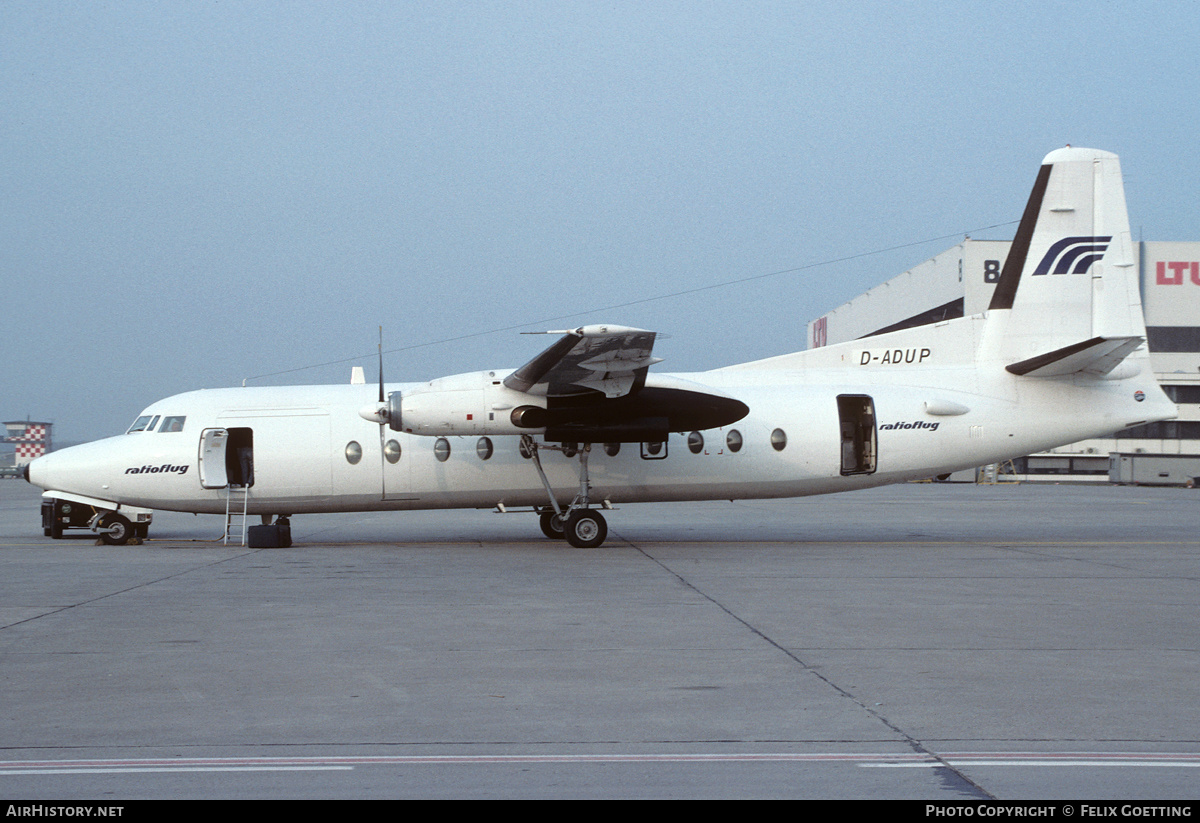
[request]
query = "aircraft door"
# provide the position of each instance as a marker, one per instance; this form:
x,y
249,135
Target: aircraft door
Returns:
x,y
856,416
226,457
213,443
239,456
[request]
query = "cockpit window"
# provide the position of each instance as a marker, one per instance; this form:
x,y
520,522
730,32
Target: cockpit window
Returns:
x,y
143,423
172,424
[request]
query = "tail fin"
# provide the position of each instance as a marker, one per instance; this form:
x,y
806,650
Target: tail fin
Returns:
x,y
1070,283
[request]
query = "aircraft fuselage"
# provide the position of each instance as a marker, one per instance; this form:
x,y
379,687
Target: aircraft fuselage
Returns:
x,y
312,452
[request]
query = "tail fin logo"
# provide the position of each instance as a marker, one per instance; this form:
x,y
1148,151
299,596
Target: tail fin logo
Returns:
x,y
1073,255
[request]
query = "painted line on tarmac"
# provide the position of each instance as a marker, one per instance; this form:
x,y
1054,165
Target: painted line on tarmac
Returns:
x,y
173,769
1075,759
346,763
862,759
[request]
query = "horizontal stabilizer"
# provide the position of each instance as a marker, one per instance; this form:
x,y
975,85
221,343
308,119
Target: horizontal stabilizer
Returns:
x,y
1100,355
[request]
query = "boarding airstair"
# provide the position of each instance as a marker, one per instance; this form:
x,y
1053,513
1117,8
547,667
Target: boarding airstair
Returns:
x,y
235,520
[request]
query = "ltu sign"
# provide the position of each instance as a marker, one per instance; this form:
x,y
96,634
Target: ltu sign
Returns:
x,y
1171,274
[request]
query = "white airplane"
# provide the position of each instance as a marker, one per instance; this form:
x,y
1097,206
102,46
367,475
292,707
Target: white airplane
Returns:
x,y
1059,356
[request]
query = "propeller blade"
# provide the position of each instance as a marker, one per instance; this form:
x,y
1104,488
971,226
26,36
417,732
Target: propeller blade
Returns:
x,y
381,364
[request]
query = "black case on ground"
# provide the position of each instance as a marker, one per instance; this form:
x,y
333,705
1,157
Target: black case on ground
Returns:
x,y
269,537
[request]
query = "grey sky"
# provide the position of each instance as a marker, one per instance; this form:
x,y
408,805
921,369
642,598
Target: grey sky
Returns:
x,y
199,192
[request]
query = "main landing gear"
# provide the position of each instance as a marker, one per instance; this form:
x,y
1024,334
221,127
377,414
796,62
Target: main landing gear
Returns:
x,y
552,525
579,525
584,528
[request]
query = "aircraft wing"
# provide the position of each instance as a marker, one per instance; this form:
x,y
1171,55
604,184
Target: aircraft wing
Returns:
x,y
590,386
611,360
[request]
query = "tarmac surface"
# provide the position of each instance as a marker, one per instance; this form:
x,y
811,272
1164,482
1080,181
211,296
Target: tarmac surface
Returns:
x,y
929,641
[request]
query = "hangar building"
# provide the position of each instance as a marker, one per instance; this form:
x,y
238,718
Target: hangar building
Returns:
x,y
959,282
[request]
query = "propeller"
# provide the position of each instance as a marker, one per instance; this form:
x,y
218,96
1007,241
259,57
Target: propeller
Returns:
x,y
387,410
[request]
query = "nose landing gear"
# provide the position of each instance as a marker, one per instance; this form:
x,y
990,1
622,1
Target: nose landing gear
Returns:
x,y
115,529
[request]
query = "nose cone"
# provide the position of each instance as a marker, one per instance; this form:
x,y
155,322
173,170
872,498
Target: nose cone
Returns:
x,y
86,469
35,472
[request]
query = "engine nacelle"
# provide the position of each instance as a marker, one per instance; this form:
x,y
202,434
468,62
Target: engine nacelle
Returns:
x,y
479,403
466,404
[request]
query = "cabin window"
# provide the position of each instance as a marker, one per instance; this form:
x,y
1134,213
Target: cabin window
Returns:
x,y
778,440
654,451
733,440
353,452
441,449
391,451
695,442
612,449
483,448
172,424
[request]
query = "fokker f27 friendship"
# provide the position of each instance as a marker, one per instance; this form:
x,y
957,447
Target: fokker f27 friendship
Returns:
x,y
1059,356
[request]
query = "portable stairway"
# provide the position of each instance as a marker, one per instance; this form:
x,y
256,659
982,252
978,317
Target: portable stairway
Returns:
x,y
234,519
